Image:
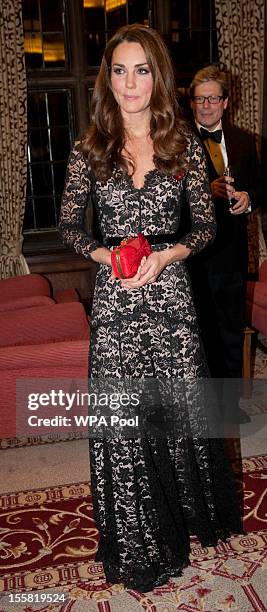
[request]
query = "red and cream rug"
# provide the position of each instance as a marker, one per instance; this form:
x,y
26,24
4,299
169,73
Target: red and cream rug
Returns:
x,y
48,541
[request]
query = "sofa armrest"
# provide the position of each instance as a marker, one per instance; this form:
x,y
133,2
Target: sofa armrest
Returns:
x,y
26,302
23,286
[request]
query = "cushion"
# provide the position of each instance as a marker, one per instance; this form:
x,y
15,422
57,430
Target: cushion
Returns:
x,y
55,357
42,324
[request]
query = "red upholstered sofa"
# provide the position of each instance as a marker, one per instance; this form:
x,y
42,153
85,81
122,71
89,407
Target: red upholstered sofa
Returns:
x,y
39,339
256,303
31,290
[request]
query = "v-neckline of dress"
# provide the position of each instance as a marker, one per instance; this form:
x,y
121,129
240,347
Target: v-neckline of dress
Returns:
x,y
147,176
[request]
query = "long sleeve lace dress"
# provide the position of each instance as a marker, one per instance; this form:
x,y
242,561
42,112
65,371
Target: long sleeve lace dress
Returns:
x,y
149,494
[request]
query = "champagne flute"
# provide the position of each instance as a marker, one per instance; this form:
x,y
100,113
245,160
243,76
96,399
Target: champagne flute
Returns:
x,y
228,172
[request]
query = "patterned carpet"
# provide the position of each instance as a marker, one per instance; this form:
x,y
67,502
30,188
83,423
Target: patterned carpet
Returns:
x,y
48,541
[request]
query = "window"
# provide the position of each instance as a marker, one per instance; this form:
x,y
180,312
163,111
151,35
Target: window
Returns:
x,y
191,36
50,117
44,34
49,137
103,18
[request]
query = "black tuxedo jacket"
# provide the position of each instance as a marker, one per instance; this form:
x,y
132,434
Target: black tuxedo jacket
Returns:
x,y
228,253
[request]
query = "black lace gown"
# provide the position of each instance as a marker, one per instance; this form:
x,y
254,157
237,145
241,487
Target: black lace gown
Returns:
x,y
150,494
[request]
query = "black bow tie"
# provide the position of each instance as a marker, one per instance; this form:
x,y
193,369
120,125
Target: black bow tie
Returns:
x,y
216,136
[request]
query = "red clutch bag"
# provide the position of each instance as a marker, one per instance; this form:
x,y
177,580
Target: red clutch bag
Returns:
x,y
126,258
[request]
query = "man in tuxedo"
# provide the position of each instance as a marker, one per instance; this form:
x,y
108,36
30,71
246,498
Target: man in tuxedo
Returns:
x,y
218,273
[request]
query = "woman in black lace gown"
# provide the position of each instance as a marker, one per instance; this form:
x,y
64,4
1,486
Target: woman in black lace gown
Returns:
x,y
139,160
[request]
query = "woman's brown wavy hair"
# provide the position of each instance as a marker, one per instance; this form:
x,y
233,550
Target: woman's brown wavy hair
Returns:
x,y
105,137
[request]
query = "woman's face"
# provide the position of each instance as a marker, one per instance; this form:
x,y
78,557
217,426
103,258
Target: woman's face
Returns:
x,y
131,78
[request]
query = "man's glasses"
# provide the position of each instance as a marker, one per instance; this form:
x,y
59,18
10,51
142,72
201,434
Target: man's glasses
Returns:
x,y
211,99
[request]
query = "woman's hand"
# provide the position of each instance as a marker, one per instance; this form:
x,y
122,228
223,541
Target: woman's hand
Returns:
x,y
102,255
148,271
135,277
151,266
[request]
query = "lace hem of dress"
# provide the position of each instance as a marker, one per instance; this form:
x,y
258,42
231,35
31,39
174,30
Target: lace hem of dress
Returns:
x,y
175,517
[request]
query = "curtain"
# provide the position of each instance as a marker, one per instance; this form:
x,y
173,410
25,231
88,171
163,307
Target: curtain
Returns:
x,y
13,139
240,33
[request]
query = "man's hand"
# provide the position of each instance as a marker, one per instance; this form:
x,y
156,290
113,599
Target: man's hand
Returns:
x,y
242,203
222,187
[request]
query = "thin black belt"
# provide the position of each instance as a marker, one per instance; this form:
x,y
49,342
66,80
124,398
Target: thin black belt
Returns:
x,y
152,239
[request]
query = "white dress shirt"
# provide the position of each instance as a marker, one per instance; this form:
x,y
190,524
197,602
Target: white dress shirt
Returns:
x,y
222,143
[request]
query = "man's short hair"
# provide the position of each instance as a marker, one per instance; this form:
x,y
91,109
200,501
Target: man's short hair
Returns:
x,y
210,73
